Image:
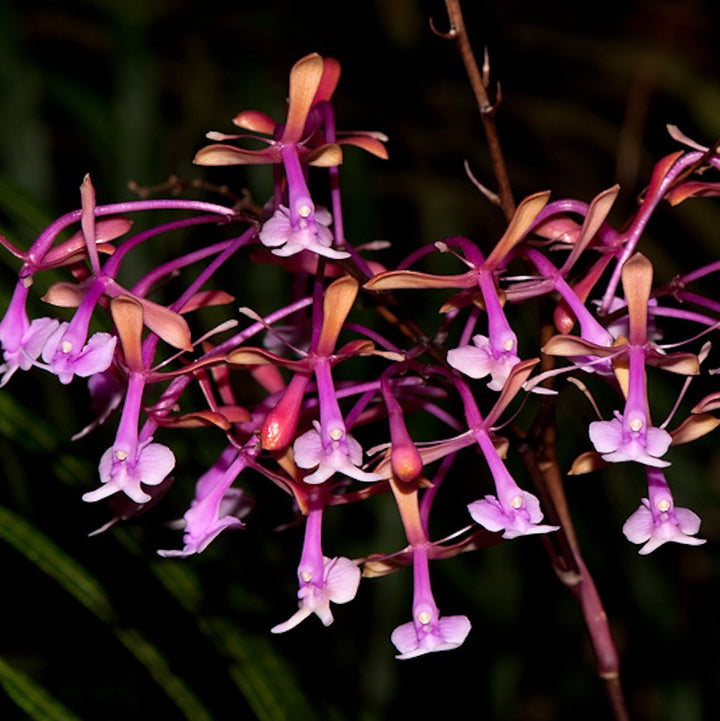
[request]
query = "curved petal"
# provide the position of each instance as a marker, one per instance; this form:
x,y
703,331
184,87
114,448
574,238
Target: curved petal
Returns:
x,y
255,122
606,436
305,77
230,155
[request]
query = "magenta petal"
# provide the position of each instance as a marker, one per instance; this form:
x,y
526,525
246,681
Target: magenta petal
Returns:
x,y
276,230
35,338
676,525
413,640
152,464
341,578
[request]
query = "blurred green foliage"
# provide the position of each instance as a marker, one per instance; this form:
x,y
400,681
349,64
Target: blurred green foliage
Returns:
x,y
102,629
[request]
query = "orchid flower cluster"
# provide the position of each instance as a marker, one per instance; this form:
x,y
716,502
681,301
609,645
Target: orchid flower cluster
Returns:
x,y
146,361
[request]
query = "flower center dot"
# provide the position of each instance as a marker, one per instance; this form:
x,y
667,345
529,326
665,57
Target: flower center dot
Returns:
x,y
663,505
636,424
121,455
516,501
304,211
424,617
509,344
66,346
306,576
336,433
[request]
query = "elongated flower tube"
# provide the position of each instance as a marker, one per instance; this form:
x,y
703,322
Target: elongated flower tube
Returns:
x,y
631,436
22,340
322,580
428,631
216,506
328,445
299,227
131,462
69,352
513,511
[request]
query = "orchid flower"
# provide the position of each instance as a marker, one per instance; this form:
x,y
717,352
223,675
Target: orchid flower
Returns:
x,y
497,353
132,462
322,580
658,520
22,340
428,631
513,511
312,82
69,352
299,225
327,447
630,435
216,506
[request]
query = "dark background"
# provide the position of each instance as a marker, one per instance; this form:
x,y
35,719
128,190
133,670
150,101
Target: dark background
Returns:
x,y
126,91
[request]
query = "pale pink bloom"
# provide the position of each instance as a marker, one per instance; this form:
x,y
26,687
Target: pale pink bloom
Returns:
x,y
311,233
617,442
678,525
149,466
343,455
339,584
416,638
479,360
520,517
66,358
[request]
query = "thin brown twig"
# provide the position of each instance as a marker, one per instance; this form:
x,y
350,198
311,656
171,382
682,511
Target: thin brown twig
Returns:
x,y
538,448
539,453
479,82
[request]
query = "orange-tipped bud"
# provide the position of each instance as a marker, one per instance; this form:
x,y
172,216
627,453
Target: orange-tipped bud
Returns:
x,y
405,458
406,461
564,320
278,428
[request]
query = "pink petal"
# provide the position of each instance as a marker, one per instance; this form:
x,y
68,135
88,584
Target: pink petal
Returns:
x,y
454,629
488,513
688,521
639,526
472,361
154,464
657,441
606,436
342,578
308,449
96,356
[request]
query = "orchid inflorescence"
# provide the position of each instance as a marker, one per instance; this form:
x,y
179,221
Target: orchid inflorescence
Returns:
x,y
305,434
